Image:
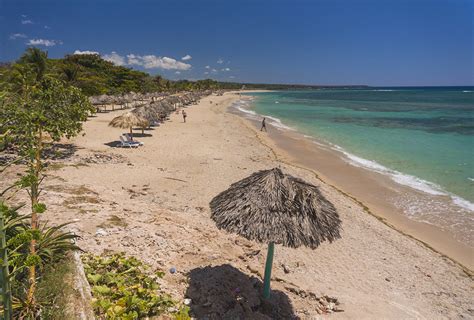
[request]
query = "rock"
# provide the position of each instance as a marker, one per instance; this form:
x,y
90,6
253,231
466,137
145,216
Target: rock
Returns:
x,y
286,269
187,301
172,309
100,232
173,270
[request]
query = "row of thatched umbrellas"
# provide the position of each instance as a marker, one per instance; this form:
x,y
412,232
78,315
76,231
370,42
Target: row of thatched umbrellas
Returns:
x,y
154,111
269,206
131,100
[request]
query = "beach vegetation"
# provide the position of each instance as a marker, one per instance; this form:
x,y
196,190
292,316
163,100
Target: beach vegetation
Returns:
x,y
126,288
38,109
93,75
51,247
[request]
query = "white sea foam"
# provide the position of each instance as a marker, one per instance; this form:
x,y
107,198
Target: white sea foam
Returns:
x,y
463,203
406,179
384,90
277,123
472,179
241,106
465,91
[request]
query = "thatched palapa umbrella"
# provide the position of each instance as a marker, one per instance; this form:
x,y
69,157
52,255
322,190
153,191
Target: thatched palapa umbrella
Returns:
x,y
272,207
129,120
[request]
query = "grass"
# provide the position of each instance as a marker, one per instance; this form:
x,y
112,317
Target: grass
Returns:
x,y
113,221
56,289
80,190
81,200
56,166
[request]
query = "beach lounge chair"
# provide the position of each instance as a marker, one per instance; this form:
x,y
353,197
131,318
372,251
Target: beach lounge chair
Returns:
x,y
124,143
129,139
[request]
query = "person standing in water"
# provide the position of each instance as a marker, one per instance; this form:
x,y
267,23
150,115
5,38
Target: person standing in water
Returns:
x,y
264,126
184,116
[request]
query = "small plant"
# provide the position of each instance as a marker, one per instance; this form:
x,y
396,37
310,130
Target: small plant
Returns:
x,y
125,288
6,296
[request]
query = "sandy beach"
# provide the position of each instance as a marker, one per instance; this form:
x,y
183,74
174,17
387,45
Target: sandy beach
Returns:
x,y
153,202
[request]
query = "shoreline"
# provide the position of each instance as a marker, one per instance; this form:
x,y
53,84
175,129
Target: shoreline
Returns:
x,y
294,148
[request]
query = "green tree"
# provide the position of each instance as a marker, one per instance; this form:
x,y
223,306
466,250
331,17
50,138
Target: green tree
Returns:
x,y
70,73
37,60
39,110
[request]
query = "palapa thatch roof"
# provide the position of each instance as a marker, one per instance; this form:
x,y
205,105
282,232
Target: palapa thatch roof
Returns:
x,y
129,120
270,206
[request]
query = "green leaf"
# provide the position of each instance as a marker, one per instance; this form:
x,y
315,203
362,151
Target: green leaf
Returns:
x,y
39,208
94,278
102,290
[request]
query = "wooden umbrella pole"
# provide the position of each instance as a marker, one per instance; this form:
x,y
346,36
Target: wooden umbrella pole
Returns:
x,y
268,270
131,133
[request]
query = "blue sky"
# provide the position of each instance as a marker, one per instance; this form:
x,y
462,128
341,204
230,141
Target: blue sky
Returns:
x,y
374,42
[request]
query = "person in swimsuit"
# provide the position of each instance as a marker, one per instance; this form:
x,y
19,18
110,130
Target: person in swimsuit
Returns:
x,y
264,126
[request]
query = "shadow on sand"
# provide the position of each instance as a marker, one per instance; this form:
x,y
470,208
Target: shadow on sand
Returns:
x,y
141,135
113,144
59,151
224,292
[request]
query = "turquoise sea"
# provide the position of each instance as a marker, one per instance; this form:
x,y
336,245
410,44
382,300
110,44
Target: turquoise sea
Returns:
x,y
422,137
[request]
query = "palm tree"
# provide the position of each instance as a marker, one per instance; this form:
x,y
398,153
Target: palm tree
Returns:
x,y
70,73
37,59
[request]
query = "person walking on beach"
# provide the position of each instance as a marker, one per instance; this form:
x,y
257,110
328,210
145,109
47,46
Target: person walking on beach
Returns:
x,y
264,126
184,116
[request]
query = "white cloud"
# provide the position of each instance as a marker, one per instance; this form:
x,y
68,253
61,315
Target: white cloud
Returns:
x,y
214,70
152,62
115,58
133,59
206,72
208,67
220,61
186,57
47,27
17,35
225,69
85,52
178,72
26,22
43,42
24,16
231,77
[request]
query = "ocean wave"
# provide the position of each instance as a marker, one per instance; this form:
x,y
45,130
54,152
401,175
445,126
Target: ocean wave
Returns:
x,y
463,203
277,123
465,91
406,179
242,106
384,90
